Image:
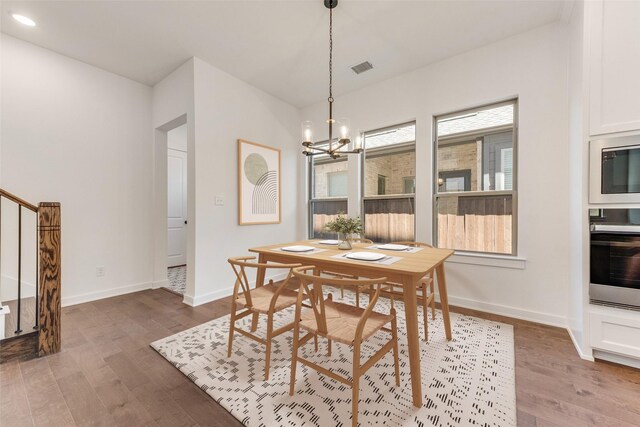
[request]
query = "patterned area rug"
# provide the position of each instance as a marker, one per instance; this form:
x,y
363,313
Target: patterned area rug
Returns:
x,y
467,381
177,279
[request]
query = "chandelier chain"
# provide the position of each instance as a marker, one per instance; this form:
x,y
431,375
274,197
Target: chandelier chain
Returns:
x,y
330,55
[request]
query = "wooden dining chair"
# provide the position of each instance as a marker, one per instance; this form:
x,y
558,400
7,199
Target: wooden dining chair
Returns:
x,y
343,323
267,299
361,240
428,298
347,276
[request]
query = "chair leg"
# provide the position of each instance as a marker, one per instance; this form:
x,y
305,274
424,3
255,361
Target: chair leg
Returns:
x,y
425,311
329,348
357,297
394,336
342,291
433,302
391,296
355,392
267,360
294,358
254,322
232,325
315,342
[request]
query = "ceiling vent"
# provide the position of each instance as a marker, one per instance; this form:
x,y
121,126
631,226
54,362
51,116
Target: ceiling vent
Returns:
x,y
361,68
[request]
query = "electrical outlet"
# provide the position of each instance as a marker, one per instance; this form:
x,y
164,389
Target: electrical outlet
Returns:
x,y
99,271
219,200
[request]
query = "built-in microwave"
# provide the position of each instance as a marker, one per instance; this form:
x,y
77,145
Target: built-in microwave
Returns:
x,y
614,170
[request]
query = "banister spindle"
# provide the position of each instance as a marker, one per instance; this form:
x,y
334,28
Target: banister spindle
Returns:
x,y
37,319
18,329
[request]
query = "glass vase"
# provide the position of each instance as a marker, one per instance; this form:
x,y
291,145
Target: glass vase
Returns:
x,y
345,241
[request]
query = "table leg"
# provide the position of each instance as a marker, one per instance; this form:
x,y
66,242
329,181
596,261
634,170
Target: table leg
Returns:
x,y
444,300
259,282
413,338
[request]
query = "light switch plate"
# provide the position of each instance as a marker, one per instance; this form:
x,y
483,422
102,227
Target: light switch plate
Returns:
x,y
219,200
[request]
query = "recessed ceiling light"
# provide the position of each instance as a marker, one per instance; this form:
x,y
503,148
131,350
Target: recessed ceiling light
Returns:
x,y
24,20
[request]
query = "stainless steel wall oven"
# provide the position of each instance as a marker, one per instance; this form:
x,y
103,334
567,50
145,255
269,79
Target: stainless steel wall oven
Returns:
x,y
615,257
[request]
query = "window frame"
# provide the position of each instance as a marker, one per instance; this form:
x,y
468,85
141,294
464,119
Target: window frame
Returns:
x,y
436,195
311,189
377,151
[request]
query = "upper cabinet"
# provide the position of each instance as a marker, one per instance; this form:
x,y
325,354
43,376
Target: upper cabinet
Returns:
x,y
615,66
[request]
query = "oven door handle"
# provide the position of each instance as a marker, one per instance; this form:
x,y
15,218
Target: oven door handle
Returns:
x,y
616,228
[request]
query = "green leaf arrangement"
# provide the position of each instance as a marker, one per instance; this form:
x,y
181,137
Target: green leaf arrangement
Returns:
x,y
345,225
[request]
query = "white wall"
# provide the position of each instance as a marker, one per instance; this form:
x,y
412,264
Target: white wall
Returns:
x,y
532,66
172,106
227,109
82,136
578,175
220,110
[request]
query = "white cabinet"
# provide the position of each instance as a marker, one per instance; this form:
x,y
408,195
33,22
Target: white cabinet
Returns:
x,y
614,59
615,330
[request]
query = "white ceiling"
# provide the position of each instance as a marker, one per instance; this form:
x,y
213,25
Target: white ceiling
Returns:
x,y
278,46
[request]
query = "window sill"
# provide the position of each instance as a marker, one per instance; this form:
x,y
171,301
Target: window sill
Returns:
x,y
501,261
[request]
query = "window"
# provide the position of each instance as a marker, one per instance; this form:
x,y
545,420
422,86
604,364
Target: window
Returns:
x,y
409,184
337,183
328,179
388,183
475,189
382,184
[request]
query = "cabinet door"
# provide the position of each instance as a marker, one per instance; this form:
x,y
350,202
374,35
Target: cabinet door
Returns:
x,y
615,66
615,332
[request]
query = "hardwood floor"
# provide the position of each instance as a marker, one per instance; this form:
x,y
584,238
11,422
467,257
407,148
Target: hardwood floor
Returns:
x,y
107,374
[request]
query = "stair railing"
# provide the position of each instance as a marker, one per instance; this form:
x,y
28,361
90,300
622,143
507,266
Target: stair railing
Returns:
x,y
48,280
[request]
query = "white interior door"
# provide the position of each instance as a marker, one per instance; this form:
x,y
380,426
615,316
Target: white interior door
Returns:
x,y
176,207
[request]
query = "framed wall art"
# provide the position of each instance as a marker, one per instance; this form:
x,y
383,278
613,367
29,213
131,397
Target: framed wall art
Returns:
x,y
259,196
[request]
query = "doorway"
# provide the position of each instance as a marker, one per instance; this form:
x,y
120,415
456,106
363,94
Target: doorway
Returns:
x,y
177,212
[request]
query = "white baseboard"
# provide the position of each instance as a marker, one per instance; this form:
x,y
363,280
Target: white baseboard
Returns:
x,y
221,293
203,299
160,284
106,293
582,355
509,311
617,358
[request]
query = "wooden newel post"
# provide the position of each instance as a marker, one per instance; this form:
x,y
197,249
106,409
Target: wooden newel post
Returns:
x,y
49,287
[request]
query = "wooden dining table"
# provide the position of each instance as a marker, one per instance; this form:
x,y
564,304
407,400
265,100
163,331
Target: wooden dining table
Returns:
x,y
406,272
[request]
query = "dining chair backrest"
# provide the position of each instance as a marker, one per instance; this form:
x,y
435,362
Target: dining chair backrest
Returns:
x,y
361,240
414,244
316,296
239,265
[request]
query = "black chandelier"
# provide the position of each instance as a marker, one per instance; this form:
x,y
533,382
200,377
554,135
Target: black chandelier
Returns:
x,y
339,146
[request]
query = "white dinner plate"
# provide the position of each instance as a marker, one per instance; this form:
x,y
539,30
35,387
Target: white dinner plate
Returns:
x,y
365,256
329,242
392,247
297,248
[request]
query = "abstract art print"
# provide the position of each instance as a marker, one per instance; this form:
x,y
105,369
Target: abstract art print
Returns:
x,y
258,184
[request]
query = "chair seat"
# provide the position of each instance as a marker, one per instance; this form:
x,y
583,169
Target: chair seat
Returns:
x,y
261,299
342,321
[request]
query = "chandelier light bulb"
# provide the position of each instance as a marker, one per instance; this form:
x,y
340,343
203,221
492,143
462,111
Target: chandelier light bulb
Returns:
x,y
358,143
307,132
